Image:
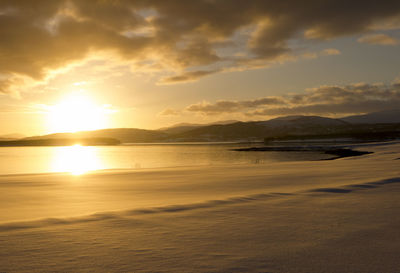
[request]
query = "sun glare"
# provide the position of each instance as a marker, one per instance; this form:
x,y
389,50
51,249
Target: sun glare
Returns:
x,y
76,113
76,159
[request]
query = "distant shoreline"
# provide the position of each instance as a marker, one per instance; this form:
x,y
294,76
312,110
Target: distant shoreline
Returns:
x,y
337,152
60,142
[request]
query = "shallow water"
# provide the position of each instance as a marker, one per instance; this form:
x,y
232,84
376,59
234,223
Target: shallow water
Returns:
x,y
80,159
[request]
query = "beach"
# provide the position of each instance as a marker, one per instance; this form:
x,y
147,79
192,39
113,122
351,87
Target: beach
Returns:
x,y
301,216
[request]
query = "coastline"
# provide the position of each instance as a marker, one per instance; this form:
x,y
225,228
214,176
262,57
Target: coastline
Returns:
x,y
336,152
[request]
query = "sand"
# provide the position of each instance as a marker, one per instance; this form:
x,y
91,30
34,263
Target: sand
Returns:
x,y
310,216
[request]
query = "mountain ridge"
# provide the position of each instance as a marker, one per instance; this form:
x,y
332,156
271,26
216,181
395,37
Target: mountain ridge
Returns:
x,y
386,116
280,127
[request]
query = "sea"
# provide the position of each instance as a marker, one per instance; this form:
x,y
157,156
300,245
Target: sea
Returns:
x,y
82,159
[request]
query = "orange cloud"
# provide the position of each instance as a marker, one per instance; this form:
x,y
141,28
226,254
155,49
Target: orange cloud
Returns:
x,y
378,39
326,100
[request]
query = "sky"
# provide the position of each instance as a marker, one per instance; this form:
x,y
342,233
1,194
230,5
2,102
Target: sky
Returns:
x,y
68,65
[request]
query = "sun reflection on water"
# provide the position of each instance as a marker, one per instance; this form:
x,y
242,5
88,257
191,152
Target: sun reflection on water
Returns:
x,y
76,159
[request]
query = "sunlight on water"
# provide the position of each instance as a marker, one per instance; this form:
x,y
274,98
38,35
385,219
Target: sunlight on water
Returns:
x,y
76,159
80,159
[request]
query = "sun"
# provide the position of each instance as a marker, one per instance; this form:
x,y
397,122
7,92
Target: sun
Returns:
x,y
76,112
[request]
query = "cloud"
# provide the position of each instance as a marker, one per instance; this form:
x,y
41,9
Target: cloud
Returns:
x,y
378,39
169,112
226,106
25,109
12,85
386,24
323,100
6,86
325,52
189,38
187,76
330,51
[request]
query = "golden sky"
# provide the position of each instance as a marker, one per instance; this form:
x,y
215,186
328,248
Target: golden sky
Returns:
x,y
149,64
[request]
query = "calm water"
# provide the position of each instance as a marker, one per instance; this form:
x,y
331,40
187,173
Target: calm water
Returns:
x,y
79,159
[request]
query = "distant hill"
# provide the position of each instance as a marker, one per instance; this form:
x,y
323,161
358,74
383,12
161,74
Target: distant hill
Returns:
x,y
179,128
258,130
228,132
388,116
301,121
125,135
380,125
184,127
11,136
61,142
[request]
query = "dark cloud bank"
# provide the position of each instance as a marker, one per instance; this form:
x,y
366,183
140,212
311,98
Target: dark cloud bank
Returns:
x,y
187,38
324,100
